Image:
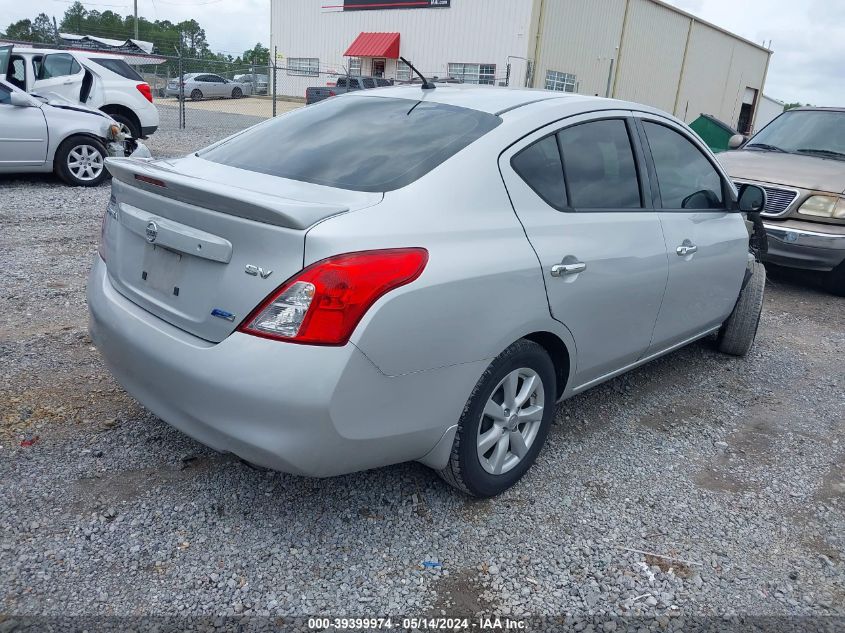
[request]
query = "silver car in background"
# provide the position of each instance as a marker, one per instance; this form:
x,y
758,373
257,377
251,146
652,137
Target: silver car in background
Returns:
x,y
426,293
197,86
41,135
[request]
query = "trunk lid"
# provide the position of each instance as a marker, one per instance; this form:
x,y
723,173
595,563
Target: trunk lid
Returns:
x,y
200,253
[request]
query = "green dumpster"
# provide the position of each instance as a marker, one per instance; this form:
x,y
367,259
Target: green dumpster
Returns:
x,y
713,132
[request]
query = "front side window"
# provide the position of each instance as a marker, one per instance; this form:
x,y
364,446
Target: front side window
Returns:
x,y
540,167
562,82
474,73
687,180
58,65
323,144
599,167
304,66
5,94
354,65
369,82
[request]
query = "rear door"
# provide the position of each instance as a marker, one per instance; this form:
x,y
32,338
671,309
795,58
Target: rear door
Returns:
x,y
706,242
61,74
599,242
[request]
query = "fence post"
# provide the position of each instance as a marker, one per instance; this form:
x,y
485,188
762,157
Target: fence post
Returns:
x,y
275,74
181,93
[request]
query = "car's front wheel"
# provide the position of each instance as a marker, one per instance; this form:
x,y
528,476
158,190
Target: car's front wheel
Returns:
x,y
237,93
80,161
738,333
834,281
504,423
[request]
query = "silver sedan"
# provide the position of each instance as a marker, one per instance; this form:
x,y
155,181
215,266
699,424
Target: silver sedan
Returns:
x,y
197,86
426,293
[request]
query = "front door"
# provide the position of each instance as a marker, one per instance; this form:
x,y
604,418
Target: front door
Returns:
x,y
23,134
599,243
706,241
378,66
60,74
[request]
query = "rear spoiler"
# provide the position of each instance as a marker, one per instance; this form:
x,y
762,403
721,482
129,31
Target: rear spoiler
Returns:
x,y
225,198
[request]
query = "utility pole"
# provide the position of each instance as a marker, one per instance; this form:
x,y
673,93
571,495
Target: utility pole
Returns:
x,y
136,19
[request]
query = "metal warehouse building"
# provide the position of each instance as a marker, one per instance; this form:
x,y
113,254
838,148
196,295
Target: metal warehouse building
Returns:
x,y
641,50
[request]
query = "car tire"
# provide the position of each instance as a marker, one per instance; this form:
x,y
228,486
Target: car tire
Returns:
x,y
134,130
473,460
196,94
80,161
738,333
237,93
834,281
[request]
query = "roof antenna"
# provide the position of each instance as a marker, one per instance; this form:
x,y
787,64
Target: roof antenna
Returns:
x,y
426,84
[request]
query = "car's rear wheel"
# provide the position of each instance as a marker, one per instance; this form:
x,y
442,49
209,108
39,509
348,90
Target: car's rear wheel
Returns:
x,y
80,161
196,94
738,333
134,128
237,93
504,423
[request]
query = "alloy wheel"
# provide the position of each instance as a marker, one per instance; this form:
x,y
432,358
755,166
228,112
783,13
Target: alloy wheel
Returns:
x,y
85,162
511,420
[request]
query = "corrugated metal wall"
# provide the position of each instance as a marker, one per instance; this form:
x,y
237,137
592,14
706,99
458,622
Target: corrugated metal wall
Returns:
x,y
652,54
471,31
579,37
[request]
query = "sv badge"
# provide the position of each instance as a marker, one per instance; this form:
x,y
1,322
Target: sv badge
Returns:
x,y
255,271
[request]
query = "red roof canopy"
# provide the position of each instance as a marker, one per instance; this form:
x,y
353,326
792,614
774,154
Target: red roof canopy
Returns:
x,y
375,45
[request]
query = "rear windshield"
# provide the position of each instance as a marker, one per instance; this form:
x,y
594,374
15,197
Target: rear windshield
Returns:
x,y
359,143
118,66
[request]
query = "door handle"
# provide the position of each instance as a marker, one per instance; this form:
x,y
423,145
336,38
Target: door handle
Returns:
x,y
686,249
559,270
68,82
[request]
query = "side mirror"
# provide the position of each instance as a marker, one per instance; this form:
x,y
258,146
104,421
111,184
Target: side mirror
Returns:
x,y
752,199
736,141
20,100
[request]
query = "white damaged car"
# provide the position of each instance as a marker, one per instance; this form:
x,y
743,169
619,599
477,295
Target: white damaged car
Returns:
x,y
43,135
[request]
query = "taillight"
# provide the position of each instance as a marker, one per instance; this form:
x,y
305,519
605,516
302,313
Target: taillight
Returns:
x,y
332,93
324,303
144,89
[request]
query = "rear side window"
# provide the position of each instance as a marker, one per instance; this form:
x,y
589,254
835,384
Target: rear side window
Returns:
x,y
599,166
323,144
118,66
687,180
369,83
58,65
540,167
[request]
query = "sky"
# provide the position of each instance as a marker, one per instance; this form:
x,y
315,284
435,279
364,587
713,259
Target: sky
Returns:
x,y
808,36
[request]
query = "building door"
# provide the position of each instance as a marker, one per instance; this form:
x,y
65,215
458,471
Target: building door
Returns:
x,y
746,112
378,66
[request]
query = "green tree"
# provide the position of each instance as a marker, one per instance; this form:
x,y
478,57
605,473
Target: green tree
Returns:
x,y
20,30
258,55
42,29
75,19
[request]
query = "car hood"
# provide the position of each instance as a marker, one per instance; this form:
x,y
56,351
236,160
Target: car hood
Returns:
x,y
794,170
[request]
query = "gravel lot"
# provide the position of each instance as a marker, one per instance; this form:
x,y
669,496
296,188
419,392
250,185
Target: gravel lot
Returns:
x,y
734,470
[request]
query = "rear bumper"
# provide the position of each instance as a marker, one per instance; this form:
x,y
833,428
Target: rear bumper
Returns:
x,y
316,411
803,248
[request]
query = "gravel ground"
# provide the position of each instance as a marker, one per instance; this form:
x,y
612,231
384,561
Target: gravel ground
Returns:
x,y
697,485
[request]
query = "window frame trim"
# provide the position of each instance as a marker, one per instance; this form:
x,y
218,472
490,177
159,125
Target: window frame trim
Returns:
x,y
729,191
644,180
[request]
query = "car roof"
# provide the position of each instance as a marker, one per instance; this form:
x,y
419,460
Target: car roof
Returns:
x,y
498,100
50,51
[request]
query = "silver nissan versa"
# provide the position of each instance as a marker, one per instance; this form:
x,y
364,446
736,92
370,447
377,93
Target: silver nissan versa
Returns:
x,y
319,301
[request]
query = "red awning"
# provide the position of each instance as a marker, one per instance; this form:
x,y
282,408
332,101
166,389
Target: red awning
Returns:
x,y
375,45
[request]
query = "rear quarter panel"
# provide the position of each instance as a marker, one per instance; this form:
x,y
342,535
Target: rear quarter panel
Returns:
x,y
482,288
